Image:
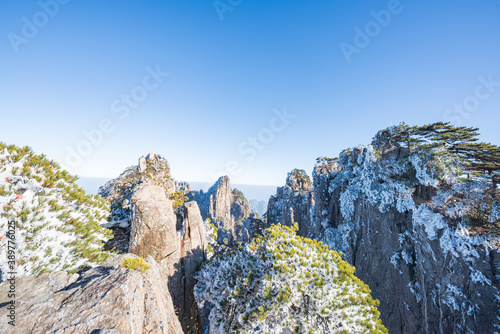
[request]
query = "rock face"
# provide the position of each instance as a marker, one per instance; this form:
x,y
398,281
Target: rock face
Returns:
x,y
154,223
325,205
293,202
151,170
227,209
421,287
429,276
193,248
106,299
176,240
178,243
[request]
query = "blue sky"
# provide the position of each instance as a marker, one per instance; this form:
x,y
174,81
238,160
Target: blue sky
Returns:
x,y
89,66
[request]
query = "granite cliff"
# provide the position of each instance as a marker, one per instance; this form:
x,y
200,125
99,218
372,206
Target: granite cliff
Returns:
x,y
402,220
228,210
149,223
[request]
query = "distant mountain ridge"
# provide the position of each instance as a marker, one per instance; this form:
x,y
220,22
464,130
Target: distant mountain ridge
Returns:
x,y
252,192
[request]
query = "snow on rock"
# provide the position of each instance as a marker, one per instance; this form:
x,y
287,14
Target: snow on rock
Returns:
x,y
403,220
373,181
293,202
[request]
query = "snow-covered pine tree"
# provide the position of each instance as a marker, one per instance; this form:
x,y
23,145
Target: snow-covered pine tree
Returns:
x,y
283,281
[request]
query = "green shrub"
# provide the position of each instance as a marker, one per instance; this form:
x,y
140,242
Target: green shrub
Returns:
x,y
178,199
136,263
282,280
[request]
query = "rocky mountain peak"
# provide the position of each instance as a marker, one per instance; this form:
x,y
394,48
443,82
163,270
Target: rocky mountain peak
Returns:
x,y
222,182
227,208
155,220
293,202
299,181
154,169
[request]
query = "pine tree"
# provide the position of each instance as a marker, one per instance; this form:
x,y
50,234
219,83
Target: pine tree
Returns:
x,y
258,226
463,142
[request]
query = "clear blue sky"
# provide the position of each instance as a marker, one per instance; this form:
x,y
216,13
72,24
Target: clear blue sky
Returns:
x,y
227,78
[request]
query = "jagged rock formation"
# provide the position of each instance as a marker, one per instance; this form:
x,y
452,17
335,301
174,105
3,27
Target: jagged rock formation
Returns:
x,y
106,299
183,186
324,205
406,240
151,170
194,253
176,240
227,209
154,169
293,202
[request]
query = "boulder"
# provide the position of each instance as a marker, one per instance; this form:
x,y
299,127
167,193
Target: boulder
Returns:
x,y
154,224
106,299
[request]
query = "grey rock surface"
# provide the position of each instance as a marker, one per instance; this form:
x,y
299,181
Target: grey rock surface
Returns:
x,y
423,287
176,240
193,254
106,299
227,208
292,204
177,243
154,224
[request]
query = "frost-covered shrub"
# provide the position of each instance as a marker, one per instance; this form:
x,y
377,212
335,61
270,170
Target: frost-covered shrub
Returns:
x,y
383,185
435,165
211,237
58,226
391,183
495,212
283,281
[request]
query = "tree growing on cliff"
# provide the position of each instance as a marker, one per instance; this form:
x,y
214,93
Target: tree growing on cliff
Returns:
x,y
462,142
437,147
283,281
238,195
257,226
402,134
178,199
